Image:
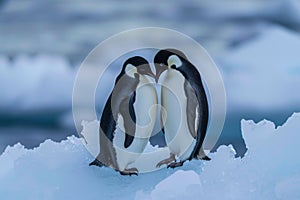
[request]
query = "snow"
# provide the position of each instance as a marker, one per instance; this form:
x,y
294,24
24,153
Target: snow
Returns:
x,y
269,170
172,188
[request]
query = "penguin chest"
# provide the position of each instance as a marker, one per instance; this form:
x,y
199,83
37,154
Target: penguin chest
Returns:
x,y
174,102
145,109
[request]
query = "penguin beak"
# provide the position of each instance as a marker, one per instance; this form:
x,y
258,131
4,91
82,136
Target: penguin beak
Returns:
x,y
151,74
159,71
157,77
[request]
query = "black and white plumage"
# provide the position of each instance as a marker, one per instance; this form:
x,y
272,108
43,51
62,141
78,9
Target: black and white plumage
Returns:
x,y
184,99
126,108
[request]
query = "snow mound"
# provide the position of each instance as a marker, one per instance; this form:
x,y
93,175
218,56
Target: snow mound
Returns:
x,y
269,170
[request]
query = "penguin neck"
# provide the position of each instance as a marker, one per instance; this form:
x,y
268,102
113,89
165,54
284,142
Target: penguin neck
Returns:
x,y
163,75
143,79
171,72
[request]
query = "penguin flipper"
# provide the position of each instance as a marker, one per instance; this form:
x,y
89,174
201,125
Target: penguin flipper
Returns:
x,y
191,110
129,117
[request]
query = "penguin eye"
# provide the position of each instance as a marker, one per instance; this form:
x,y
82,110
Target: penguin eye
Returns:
x,y
173,66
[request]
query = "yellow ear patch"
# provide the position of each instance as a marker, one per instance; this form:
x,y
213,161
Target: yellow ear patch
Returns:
x,y
174,60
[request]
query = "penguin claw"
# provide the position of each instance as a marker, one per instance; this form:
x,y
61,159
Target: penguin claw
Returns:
x,y
163,162
206,158
129,172
166,161
96,163
160,164
202,156
175,164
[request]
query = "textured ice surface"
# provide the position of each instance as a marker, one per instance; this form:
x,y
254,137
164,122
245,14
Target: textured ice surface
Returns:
x,y
269,170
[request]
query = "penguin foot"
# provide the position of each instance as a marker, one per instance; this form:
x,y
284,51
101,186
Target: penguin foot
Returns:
x,y
166,161
97,163
202,156
175,164
206,158
129,172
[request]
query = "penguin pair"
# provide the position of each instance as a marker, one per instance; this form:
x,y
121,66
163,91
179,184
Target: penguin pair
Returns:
x,y
183,98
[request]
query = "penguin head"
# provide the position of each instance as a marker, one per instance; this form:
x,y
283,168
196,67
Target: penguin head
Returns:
x,y
168,59
137,66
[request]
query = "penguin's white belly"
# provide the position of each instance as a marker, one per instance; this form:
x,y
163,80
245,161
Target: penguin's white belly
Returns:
x,y
145,108
173,99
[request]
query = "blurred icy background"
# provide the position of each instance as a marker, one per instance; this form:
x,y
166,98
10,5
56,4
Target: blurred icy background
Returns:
x,y
255,43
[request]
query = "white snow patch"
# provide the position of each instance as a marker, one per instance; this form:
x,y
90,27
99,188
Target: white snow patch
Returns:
x,y
181,184
269,170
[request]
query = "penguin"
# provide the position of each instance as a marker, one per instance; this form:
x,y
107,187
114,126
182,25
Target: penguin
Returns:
x,y
184,99
126,109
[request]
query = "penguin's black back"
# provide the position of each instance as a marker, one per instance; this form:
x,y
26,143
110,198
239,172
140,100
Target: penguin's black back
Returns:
x,y
107,122
193,77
